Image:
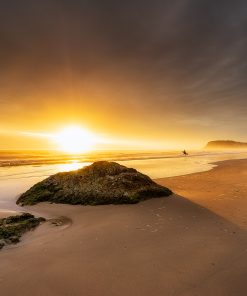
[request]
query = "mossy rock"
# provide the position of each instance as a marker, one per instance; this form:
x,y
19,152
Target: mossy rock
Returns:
x,y
100,183
13,227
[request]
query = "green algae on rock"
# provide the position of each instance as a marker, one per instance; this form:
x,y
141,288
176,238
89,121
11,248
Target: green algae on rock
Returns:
x,y
13,227
102,182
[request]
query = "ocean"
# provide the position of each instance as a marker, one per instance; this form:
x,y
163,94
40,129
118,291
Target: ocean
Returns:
x,y
19,170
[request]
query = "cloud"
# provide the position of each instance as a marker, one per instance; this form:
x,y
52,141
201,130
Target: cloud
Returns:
x,y
156,58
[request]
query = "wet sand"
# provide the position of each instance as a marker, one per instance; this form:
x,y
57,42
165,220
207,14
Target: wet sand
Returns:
x,y
190,245
222,190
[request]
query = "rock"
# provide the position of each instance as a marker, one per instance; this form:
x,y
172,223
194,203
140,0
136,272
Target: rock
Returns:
x,y
18,218
14,239
100,183
12,228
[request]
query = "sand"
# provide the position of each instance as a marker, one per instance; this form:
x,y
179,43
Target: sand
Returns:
x,y
222,190
193,243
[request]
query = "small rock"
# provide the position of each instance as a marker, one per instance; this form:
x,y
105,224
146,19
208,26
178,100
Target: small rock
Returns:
x,y
14,239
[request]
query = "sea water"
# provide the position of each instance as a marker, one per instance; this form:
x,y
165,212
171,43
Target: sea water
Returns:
x,y
19,170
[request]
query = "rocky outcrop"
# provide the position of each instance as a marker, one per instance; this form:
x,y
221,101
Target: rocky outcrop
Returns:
x,y
221,144
12,228
100,183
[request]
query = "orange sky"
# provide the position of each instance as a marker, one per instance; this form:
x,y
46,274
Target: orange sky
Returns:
x,y
124,123
171,75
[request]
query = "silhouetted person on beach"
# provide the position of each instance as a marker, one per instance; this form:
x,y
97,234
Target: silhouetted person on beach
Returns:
x,y
185,153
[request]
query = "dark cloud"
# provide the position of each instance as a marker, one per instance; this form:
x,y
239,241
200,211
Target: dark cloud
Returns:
x,y
183,57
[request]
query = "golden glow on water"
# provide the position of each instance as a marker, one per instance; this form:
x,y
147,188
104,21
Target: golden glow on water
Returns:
x,y
73,166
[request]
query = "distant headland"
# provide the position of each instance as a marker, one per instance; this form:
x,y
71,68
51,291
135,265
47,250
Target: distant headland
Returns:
x,y
225,144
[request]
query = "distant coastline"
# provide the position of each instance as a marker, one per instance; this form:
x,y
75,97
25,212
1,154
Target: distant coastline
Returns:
x,y
225,144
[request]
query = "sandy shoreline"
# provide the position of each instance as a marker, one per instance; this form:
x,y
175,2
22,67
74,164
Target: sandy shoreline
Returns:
x,y
223,190
190,245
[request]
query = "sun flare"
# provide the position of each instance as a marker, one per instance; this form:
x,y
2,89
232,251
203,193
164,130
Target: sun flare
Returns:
x,y
75,140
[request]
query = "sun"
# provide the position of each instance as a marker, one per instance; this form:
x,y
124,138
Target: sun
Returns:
x,y
75,140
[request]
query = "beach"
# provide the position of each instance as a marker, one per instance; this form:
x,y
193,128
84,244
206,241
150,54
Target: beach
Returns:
x,y
192,243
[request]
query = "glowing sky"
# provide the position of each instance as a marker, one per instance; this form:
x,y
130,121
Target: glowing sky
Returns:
x,y
166,72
